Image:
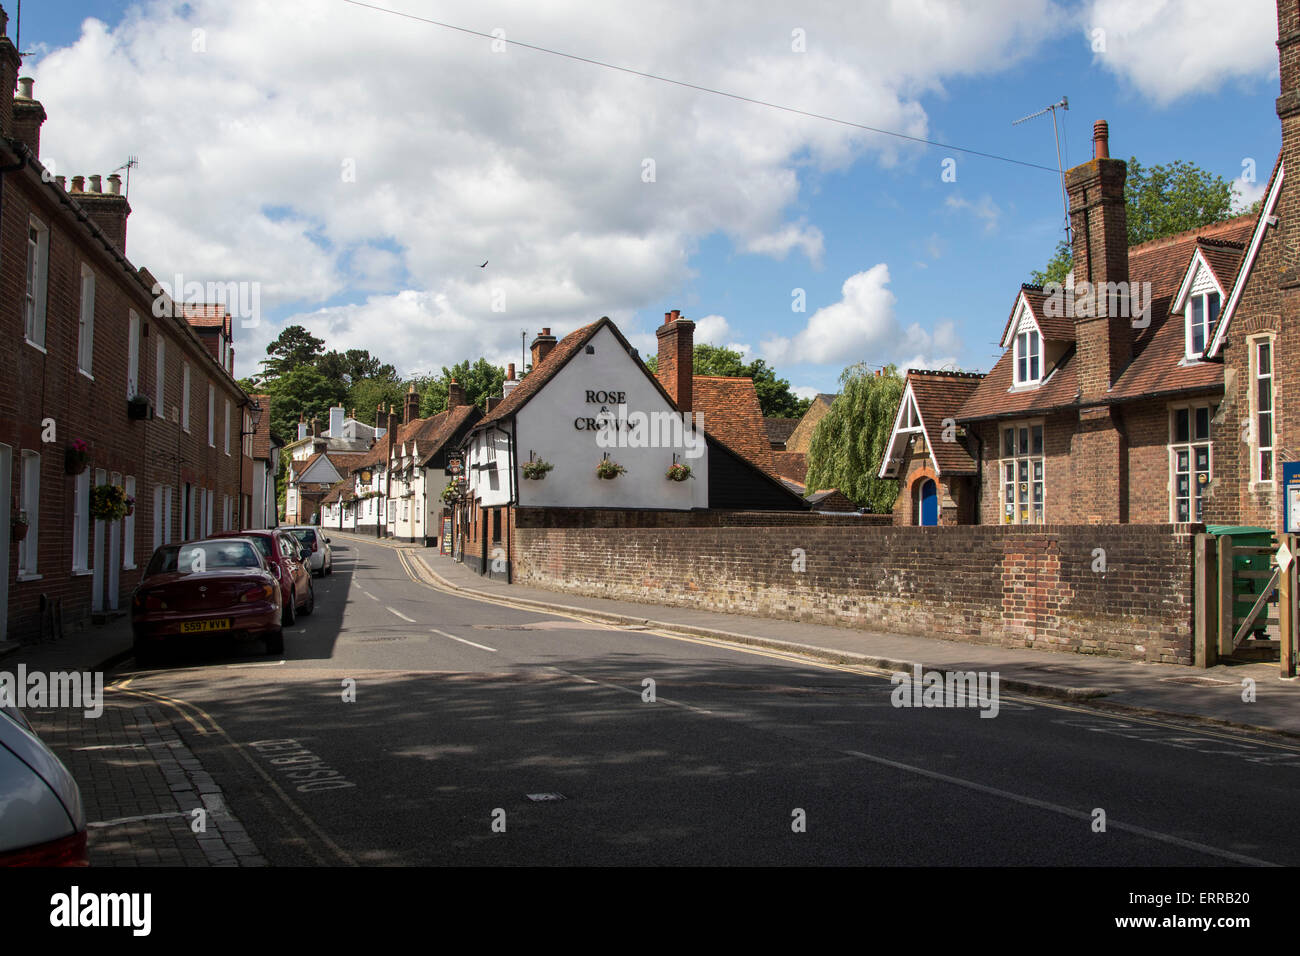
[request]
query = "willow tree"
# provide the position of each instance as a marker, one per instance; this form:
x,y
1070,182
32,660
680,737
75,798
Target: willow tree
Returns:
x,y
851,438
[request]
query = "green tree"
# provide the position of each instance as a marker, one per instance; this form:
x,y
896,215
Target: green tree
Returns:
x,y
303,391
1159,201
481,380
354,365
774,395
849,442
367,393
292,348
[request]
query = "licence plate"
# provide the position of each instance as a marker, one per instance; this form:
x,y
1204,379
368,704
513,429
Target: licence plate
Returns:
x,y
214,624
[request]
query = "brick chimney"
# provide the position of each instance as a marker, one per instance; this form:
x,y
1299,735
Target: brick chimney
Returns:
x,y
106,209
510,382
455,395
28,116
411,407
542,346
677,358
10,63
1100,226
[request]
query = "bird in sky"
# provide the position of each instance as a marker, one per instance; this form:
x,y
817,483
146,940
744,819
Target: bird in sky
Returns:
x,y
484,265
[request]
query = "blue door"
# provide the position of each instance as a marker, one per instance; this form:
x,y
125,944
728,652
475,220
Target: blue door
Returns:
x,y
929,503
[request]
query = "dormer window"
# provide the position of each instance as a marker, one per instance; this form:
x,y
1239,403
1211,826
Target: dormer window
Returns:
x,y
1029,357
1202,311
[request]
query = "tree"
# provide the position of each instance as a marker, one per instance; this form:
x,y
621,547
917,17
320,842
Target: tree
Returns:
x,y
292,348
367,393
354,365
303,391
774,395
851,439
480,380
1159,201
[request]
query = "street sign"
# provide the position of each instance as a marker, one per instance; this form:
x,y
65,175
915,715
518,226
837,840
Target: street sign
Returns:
x,y
455,463
1291,496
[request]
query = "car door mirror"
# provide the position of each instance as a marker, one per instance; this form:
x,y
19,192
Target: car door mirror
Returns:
x,y
327,540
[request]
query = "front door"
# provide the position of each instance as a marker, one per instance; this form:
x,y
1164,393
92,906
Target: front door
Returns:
x,y
929,503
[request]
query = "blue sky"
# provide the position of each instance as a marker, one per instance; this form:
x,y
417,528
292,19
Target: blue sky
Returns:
x,y
244,113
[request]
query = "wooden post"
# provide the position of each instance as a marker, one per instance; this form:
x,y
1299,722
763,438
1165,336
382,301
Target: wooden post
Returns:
x,y
1286,617
1227,600
1205,584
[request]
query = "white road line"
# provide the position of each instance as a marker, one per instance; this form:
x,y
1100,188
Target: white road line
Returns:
x,y
368,594
400,614
1064,811
482,647
147,816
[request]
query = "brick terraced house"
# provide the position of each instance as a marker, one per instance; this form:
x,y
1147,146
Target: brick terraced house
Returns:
x,y
105,383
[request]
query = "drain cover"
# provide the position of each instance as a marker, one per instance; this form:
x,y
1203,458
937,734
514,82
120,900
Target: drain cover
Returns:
x,y
1198,681
543,797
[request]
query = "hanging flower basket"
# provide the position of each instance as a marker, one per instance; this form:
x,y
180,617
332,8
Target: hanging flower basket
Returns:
x,y
609,470
139,408
107,502
536,470
130,505
678,472
77,457
18,526
452,491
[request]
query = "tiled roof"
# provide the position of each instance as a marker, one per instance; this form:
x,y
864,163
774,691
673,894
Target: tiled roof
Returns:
x,y
733,416
1055,328
532,383
779,429
206,315
791,464
429,433
1158,350
940,395
262,433
341,491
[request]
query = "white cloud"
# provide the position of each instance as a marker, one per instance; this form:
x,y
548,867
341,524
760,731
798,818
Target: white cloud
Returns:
x,y
1173,48
1244,194
984,209
712,330
361,167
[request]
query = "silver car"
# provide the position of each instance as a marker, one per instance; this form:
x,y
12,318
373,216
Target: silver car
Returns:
x,y
320,558
42,821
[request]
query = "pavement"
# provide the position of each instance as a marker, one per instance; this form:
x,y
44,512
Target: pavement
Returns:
x,y
1213,695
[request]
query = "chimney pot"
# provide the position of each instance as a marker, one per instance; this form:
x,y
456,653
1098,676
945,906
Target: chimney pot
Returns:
x,y
62,181
95,183
510,371
1100,140
542,346
78,184
25,84
115,184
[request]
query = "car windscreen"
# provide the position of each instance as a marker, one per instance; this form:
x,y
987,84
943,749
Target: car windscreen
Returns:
x,y
306,537
263,544
215,556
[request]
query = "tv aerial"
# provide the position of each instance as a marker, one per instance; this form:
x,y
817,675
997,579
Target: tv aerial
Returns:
x,y
132,161
1063,104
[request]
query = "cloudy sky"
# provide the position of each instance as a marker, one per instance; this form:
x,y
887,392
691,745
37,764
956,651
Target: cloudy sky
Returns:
x,y
357,166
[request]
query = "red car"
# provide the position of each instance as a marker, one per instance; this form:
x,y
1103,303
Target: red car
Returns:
x,y
289,563
205,587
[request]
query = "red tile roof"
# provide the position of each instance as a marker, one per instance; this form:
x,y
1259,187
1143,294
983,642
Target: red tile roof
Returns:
x,y
733,415
206,315
1158,350
779,429
791,464
555,360
939,396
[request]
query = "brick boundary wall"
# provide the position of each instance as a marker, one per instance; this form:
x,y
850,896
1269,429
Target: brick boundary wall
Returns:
x,y
601,518
1007,586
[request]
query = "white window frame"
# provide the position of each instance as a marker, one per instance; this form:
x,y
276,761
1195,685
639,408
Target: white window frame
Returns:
x,y
30,502
210,497
128,528
212,415
86,324
81,523
160,383
1021,461
36,281
132,354
1195,489
1203,301
185,397
1031,358
227,426
1260,443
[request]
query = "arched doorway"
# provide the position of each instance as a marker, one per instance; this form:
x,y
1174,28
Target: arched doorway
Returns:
x,y
927,511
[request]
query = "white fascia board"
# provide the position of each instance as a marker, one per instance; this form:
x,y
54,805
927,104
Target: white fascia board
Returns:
x,y
1253,250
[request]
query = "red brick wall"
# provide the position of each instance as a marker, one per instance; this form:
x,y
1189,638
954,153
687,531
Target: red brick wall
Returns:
x,y
48,385
1008,586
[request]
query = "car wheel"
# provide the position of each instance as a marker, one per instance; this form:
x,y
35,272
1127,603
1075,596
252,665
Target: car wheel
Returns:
x,y
290,612
275,642
311,600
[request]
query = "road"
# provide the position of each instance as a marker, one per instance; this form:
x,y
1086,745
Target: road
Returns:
x,y
462,709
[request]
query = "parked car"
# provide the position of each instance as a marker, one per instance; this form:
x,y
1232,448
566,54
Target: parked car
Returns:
x,y
288,562
42,821
322,555
204,587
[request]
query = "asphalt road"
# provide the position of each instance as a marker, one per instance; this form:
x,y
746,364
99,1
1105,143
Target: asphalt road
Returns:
x,y
463,709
